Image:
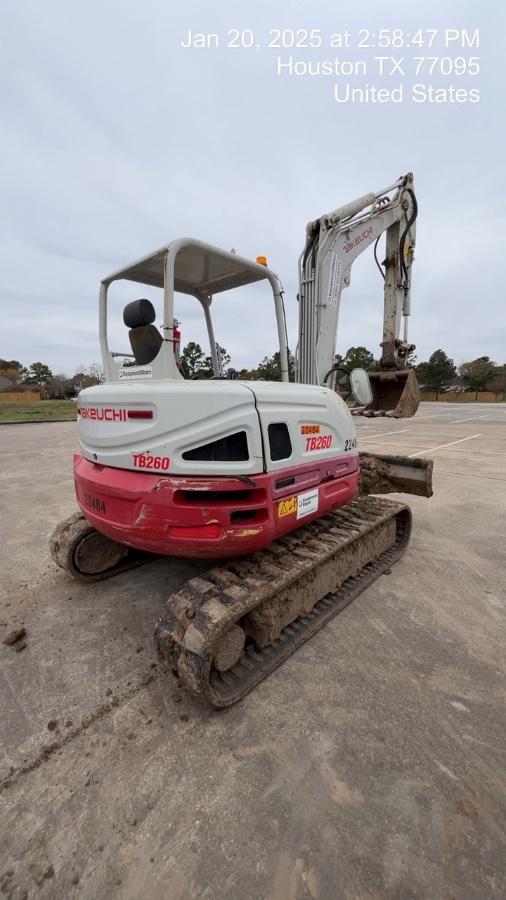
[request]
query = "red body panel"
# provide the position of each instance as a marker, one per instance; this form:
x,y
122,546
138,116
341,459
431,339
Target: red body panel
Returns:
x,y
210,516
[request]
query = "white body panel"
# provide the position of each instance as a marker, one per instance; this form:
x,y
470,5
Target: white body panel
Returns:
x,y
189,414
303,407
186,414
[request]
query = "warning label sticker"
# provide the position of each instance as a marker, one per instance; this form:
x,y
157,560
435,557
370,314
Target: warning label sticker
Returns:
x,y
334,279
307,503
287,507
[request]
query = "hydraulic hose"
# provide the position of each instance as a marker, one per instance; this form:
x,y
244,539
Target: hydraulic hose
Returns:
x,y
409,223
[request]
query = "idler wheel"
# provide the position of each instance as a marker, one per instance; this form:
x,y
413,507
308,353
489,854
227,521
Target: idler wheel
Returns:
x,y
96,553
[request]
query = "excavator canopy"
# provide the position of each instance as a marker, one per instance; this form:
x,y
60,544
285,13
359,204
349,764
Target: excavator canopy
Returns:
x,y
198,269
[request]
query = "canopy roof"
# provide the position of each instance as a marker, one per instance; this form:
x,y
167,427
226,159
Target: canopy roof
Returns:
x,y
198,269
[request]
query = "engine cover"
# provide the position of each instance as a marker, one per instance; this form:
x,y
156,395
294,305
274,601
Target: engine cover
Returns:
x,y
213,427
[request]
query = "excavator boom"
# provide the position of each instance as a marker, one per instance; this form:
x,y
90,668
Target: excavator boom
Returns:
x,y
333,242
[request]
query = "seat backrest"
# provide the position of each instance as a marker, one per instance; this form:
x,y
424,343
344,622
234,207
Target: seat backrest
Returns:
x,y
145,339
145,342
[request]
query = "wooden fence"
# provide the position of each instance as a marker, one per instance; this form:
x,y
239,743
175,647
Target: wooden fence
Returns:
x,y
19,396
464,396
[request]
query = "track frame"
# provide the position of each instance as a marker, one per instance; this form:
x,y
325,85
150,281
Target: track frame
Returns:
x,y
198,615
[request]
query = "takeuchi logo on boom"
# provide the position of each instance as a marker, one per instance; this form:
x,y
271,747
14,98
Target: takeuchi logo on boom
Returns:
x,y
358,240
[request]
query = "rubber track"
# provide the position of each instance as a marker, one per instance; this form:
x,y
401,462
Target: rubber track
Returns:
x,y
204,608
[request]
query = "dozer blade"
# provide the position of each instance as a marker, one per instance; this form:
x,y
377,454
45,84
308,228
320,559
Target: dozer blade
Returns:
x,y
395,393
385,474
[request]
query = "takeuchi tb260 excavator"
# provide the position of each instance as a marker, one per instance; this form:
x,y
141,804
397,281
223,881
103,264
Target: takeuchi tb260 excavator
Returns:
x,y
265,476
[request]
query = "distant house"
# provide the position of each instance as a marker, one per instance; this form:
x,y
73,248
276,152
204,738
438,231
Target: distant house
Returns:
x,y
6,384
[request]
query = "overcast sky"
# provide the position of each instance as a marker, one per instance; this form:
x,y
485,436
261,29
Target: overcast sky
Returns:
x,y
116,140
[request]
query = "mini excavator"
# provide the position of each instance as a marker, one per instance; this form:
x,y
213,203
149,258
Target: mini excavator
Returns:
x,y
263,478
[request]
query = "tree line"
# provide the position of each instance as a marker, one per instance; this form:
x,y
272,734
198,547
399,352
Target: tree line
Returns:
x,y
39,376
195,364
480,374
439,372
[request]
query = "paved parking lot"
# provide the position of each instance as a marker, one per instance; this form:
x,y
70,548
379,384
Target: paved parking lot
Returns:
x,y
371,765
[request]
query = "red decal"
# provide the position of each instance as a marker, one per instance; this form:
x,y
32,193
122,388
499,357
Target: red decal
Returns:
x,y
323,442
104,414
140,414
358,240
146,461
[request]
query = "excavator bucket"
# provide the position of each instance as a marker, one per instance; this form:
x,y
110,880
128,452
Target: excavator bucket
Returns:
x,y
395,393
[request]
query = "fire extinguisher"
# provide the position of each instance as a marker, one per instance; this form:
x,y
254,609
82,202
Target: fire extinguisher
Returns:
x,y
176,338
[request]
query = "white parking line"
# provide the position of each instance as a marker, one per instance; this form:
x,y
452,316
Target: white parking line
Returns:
x,y
474,475
383,433
486,452
442,446
468,419
403,446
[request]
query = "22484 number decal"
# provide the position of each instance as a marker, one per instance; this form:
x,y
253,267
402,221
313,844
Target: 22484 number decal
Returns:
x,y
350,443
146,461
94,503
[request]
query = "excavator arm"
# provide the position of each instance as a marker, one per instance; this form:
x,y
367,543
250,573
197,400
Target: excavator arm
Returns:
x,y
333,242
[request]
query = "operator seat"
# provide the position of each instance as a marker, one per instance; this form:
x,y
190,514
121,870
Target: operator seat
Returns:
x,y
145,339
